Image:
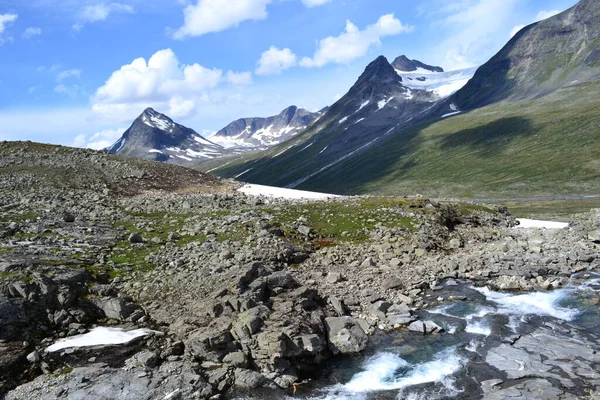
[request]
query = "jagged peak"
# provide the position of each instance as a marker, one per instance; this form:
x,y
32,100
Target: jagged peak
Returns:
x,y
154,119
379,70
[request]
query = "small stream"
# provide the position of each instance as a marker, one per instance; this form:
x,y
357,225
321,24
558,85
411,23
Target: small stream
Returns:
x,y
452,365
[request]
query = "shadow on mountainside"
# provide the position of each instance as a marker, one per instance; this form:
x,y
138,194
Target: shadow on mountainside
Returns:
x,y
490,139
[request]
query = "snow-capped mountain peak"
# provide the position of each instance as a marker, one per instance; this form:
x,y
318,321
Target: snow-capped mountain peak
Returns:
x,y
157,120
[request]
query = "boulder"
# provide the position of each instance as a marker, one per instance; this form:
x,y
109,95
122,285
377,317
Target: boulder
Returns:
x,y
425,327
345,335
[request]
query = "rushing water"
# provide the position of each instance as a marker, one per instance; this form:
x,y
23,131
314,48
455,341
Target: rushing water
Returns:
x,y
406,365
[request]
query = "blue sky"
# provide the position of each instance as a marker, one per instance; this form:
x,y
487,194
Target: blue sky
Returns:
x,y
77,72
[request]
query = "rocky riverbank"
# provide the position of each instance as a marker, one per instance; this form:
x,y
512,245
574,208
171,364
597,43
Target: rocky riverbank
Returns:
x,y
241,292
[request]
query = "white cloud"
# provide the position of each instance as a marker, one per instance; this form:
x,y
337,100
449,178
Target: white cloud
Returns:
x,y
314,3
31,32
99,140
100,12
473,29
5,20
354,43
544,14
274,61
239,78
71,73
161,82
208,16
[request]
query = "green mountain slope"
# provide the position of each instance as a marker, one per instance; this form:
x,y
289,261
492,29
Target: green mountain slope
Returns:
x,y
533,147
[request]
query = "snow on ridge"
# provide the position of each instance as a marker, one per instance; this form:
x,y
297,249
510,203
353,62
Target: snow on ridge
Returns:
x,y
271,191
99,336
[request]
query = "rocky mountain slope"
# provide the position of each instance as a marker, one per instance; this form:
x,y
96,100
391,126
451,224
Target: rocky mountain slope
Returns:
x,y
404,64
154,136
241,296
557,52
262,133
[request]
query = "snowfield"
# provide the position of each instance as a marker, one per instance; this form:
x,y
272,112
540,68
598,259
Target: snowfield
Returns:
x,y
534,223
99,336
441,83
271,191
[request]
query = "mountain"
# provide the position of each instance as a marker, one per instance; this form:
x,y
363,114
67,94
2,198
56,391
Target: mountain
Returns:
x,y
557,52
154,136
261,133
376,105
402,63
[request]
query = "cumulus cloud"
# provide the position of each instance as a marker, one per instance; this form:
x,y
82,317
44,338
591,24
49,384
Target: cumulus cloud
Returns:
x,y
31,32
540,16
162,81
208,16
99,140
100,12
5,20
354,43
274,61
314,3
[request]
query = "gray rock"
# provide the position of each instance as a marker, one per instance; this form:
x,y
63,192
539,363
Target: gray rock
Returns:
x,y
135,238
237,359
425,327
34,357
392,283
334,277
305,230
345,335
247,379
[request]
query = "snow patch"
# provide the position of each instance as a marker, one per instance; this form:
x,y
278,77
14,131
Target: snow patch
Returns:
x,y
534,223
451,114
99,336
246,171
341,121
271,191
363,105
155,151
383,103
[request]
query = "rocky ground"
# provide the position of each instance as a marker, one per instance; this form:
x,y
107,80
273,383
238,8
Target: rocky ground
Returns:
x,y
242,292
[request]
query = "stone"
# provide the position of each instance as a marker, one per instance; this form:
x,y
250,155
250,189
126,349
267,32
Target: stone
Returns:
x,y
34,357
115,308
281,279
68,217
237,359
305,230
247,379
135,238
368,263
454,244
392,283
334,277
345,335
425,327
338,305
